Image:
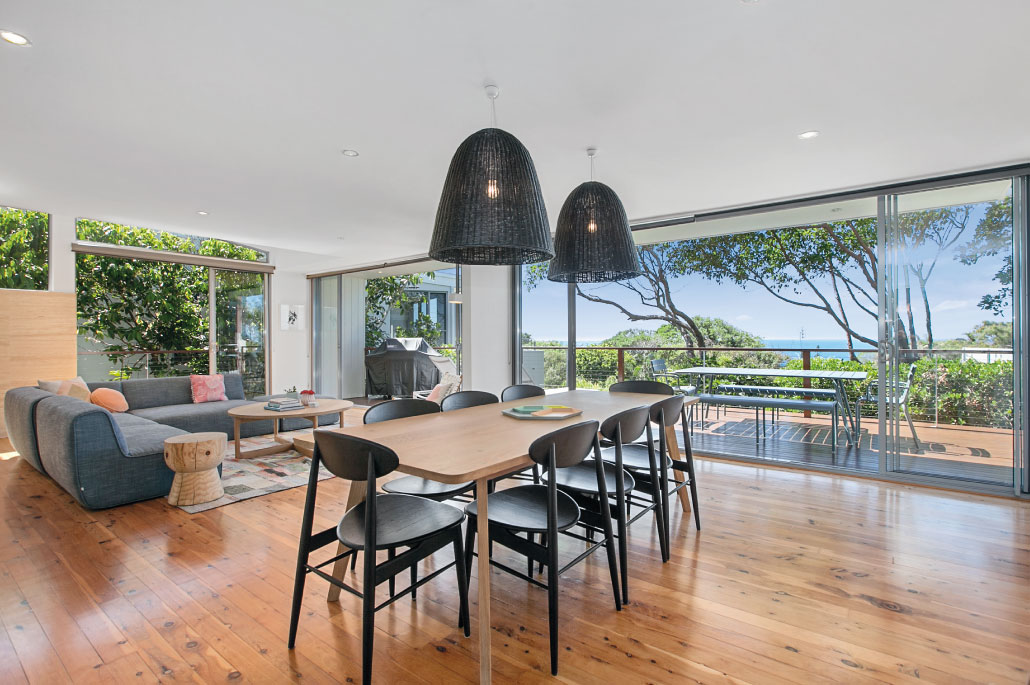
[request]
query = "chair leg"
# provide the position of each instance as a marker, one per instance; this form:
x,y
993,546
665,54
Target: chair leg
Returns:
x,y
552,602
623,548
659,511
463,587
368,613
390,554
414,579
666,522
529,562
470,545
911,426
298,593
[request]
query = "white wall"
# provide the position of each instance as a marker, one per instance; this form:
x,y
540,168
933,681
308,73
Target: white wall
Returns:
x,y
486,328
290,350
62,259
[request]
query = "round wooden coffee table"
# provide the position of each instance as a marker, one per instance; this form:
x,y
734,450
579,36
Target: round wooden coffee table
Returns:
x,y
195,458
257,412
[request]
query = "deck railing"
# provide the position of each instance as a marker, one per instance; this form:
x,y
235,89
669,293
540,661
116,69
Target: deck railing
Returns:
x,y
970,386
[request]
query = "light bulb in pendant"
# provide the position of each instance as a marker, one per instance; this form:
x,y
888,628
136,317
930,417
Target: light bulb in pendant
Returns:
x,y
592,226
491,189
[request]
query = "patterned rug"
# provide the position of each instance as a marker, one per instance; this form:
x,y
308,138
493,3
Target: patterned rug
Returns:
x,y
249,478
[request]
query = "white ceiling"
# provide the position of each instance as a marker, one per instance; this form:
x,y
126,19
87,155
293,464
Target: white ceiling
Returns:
x,y
145,112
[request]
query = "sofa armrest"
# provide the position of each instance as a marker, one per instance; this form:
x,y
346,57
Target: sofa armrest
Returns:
x,y
83,449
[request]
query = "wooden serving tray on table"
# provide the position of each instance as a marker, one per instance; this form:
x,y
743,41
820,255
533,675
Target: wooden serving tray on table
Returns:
x,y
541,412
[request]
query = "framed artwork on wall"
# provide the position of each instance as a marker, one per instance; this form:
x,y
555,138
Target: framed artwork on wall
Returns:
x,y
291,317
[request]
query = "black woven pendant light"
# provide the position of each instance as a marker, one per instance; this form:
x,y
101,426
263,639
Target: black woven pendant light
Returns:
x,y
491,209
593,243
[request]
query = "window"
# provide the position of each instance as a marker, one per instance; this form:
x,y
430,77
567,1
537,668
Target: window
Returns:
x,y
135,236
140,317
24,249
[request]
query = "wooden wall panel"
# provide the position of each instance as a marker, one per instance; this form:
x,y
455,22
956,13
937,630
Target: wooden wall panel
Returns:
x,y
37,339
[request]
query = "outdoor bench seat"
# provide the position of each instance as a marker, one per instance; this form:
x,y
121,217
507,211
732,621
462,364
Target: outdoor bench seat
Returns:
x,y
776,390
763,403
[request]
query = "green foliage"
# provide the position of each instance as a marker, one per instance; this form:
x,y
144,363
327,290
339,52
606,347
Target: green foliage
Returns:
x,y
993,236
382,295
986,334
423,327
24,253
127,304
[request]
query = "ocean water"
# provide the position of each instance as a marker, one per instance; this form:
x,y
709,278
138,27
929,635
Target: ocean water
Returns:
x,y
817,344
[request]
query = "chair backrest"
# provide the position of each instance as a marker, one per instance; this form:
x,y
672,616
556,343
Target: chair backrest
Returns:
x,y
626,426
399,409
521,392
348,457
466,399
651,387
665,412
658,367
570,445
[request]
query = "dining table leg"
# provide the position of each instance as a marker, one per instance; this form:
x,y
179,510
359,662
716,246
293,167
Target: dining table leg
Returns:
x,y
354,497
483,533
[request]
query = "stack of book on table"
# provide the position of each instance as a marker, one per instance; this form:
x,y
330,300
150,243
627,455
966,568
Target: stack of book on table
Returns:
x,y
283,404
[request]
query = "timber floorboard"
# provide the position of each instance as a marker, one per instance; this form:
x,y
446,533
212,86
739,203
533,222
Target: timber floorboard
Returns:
x,y
796,577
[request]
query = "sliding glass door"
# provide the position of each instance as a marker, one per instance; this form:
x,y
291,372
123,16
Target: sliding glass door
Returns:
x,y
947,336
238,301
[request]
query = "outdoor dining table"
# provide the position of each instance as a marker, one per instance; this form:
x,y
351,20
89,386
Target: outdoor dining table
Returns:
x,y
480,444
838,378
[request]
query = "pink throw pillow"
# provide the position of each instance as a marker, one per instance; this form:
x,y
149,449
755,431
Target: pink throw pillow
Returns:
x,y
208,388
436,394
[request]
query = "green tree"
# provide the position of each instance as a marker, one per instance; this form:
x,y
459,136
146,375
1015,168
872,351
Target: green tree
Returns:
x,y
24,253
993,236
382,295
129,304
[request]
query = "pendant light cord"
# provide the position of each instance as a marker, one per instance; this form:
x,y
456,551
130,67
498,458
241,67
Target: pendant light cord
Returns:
x,y
591,153
493,112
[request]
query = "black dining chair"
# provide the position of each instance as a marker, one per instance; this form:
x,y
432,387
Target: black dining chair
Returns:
x,y
580,482
547,510
466,399
381,522
521,392
638,460
414,485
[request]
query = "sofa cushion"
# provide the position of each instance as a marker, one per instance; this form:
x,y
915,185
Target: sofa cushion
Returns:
x,y
110,399
143,393
20,418
234,386
203,418
207,388
142,437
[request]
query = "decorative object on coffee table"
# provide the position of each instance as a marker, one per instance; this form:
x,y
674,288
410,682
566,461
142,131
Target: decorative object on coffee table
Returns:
x,y
195,458
306,397
258,412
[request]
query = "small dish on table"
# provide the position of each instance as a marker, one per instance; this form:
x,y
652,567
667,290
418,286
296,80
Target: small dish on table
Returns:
x,y
542,412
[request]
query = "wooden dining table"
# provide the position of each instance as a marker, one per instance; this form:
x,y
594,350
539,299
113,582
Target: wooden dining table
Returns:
x,y
480,444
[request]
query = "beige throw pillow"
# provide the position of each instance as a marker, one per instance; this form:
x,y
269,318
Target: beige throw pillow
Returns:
x,y
75,387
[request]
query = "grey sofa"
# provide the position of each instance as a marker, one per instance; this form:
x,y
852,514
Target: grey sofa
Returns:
x,y
105,459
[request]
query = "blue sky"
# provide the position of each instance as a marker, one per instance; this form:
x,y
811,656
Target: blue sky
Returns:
x,y
954,291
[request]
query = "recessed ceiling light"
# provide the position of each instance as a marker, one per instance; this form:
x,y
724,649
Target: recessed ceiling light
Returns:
x,y
15,38
340,237
350,153
808,135
201,212
835,209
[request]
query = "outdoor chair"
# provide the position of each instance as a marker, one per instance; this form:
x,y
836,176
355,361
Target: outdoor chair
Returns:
x,y
380,522
898,398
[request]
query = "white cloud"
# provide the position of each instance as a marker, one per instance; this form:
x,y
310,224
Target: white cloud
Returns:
x,y
951,305
743,317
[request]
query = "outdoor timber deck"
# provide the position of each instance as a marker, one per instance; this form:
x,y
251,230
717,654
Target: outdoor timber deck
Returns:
x,y
981,454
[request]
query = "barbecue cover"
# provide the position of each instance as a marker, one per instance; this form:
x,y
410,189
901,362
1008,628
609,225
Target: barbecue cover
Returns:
x,y
400,366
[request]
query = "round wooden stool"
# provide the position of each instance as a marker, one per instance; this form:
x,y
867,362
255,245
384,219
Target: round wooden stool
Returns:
x,y
195,458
